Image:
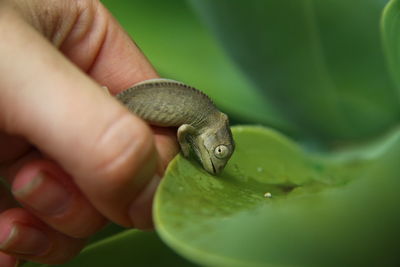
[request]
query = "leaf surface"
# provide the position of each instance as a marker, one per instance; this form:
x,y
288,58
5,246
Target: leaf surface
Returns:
x,y
324,211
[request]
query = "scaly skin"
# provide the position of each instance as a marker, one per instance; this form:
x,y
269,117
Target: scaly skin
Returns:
x,y
203,129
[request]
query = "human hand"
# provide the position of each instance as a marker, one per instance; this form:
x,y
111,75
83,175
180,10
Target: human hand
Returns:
x,y
73,156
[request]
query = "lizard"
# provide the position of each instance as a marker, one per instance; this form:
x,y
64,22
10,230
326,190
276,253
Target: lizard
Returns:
x,y
202,129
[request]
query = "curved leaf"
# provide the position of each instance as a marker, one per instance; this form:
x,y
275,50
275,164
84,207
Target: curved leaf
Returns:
x,y
320,61
324,211
391,38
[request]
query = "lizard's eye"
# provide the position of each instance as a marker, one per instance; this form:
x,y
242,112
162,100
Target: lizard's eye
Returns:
x,y
221,151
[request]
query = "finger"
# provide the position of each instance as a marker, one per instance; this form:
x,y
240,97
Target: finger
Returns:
x,y
49,193
166,144
117,62
9,169
24,236
7,260
109,152
90,37
141,210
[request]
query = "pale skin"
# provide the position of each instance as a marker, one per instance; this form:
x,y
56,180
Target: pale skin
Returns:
x,y
73,157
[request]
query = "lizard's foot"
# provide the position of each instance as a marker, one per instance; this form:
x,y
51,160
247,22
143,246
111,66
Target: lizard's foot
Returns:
x,y
183,133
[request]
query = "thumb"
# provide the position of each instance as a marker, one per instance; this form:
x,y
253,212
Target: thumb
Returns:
x,y
47,100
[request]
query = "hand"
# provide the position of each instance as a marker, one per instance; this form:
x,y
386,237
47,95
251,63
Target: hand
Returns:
x,y
73,157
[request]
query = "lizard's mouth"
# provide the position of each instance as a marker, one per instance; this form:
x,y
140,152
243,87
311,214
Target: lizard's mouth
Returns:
x,y
205,159
214,170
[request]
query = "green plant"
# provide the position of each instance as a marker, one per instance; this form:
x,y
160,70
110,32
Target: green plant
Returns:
x,y
325,73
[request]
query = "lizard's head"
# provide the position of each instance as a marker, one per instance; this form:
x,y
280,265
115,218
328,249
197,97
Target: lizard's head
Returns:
x,y
215,146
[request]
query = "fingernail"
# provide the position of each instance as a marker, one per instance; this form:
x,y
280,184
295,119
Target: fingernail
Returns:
x,y
22,239
140,210
42,193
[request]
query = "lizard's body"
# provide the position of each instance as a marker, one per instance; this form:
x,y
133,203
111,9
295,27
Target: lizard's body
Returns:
x,y
159,103
202,127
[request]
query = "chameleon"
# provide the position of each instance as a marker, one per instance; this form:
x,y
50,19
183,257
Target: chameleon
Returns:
x,y
203,130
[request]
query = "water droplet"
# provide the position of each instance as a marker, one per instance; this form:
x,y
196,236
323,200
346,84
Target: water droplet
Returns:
x,y
267,195
260,169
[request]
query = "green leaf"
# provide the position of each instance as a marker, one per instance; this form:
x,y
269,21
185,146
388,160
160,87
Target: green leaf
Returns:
x,y
391,38
321,62
180,48
129,248
334,210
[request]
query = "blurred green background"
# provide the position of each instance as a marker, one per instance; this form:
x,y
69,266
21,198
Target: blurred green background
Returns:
x,y
325,76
